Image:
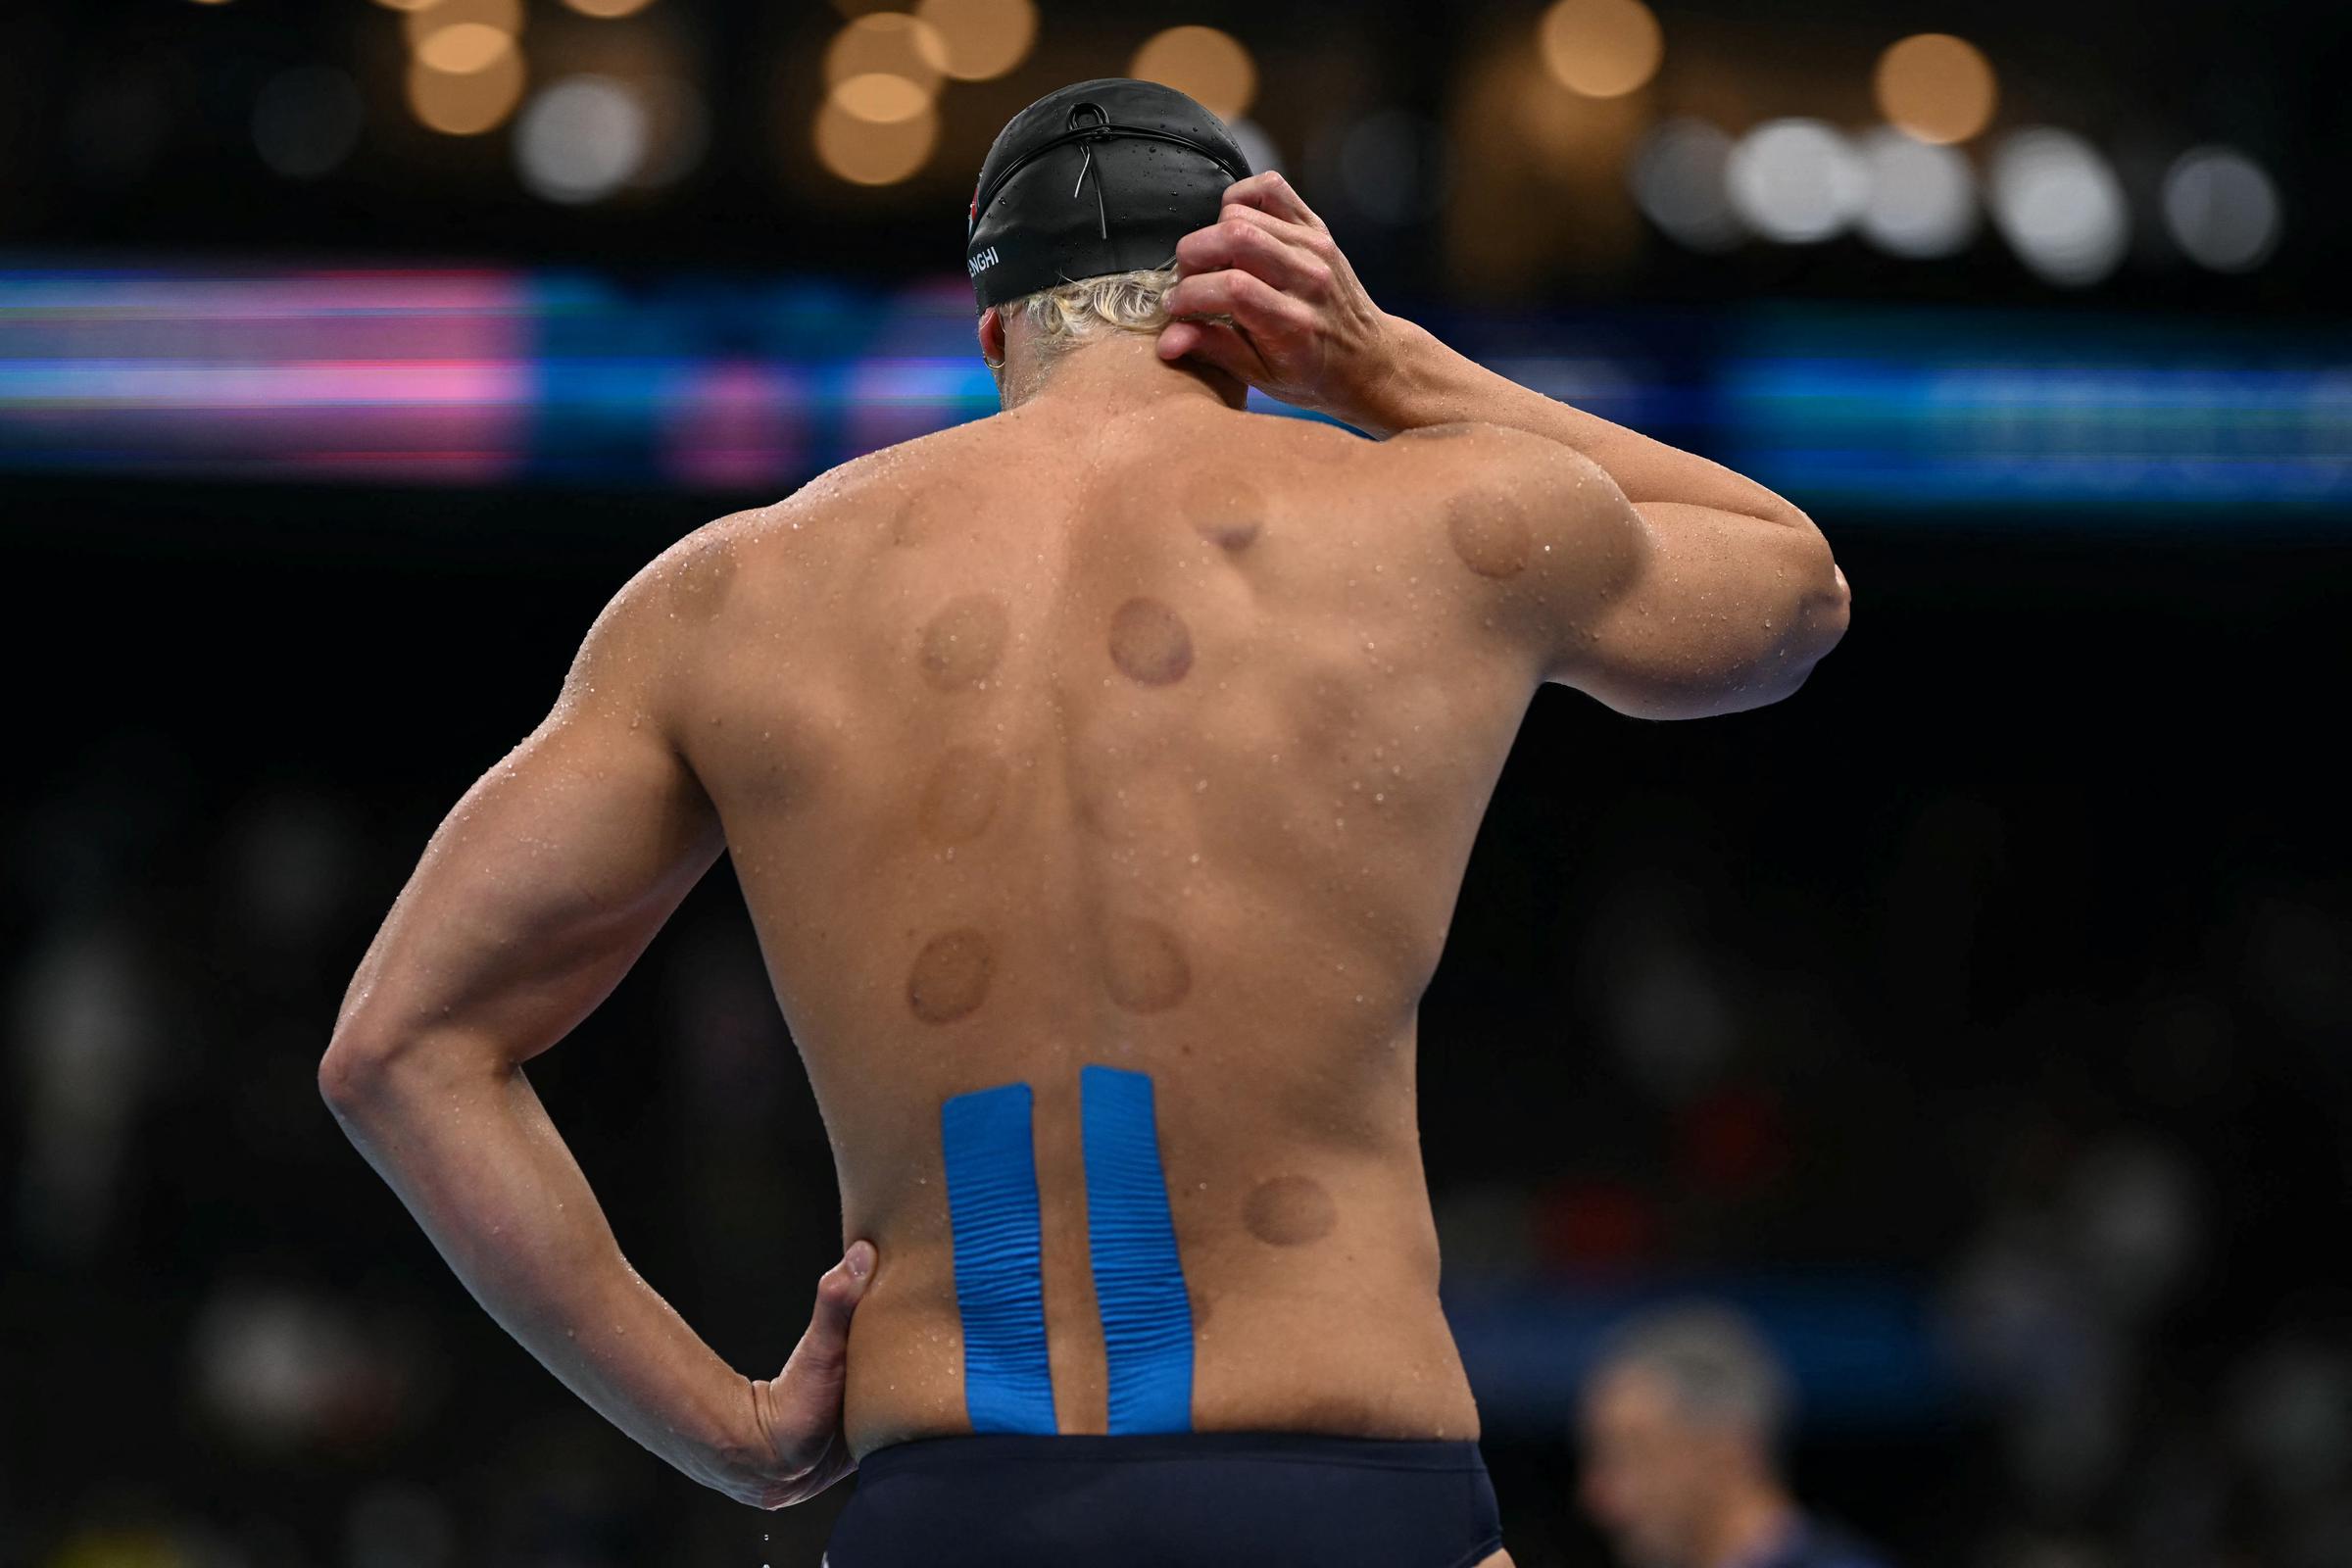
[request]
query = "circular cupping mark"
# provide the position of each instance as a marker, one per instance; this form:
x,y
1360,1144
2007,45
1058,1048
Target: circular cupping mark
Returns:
x,y
1289,1212
962,642
1493,539
1146,968
1150,642
1225,511
961,799
951,976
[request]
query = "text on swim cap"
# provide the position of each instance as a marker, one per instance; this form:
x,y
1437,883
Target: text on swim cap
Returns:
x,y
982,262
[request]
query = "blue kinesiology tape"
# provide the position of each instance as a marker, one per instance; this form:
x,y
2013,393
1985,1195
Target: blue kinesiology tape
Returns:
x,y
1139,1283
1000,1285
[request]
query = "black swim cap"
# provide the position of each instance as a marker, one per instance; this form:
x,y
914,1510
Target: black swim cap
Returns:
x,y
1102,176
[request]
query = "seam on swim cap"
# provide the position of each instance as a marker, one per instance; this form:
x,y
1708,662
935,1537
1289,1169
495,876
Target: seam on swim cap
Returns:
x,y
1107,131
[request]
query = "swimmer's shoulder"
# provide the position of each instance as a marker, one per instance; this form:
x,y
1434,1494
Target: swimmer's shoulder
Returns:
x,y
837,507
1557,489
1457,455
718,563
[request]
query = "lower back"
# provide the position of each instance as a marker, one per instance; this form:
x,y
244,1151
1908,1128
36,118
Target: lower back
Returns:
x,y
1157,749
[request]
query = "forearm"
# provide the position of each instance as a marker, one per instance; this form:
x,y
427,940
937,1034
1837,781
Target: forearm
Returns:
x,y
1425,383
470,1151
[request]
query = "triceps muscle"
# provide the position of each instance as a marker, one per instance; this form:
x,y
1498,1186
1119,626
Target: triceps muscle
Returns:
x,y
539,890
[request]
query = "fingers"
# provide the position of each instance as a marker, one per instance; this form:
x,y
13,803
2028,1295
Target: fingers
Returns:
x,y
1219,344
1257,306
1305,235
1269,192
1265,249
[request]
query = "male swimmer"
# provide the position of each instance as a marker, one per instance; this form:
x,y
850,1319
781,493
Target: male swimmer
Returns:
x,y
1100,776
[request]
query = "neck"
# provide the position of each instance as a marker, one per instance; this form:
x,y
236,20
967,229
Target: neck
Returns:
x,y
1752,1519
1115,374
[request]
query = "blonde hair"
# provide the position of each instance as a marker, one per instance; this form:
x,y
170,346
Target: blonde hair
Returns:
x,y
1062,318
1068,313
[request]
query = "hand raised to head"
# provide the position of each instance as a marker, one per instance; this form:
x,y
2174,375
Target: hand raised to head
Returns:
x,y
1265,295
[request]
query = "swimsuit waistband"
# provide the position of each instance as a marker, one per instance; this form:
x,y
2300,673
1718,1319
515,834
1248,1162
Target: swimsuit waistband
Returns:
x,y
1391,1453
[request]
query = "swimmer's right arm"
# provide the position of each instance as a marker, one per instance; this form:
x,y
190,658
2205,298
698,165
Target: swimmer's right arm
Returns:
x,y
1703,591
532,900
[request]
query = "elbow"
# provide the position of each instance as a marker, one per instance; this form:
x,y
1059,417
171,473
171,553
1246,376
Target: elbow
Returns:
x,y
365,1067
1832,610
1825,602
352,1073
1817,616
370,1068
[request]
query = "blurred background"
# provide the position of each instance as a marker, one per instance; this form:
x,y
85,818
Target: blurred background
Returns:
x,y
1979,1022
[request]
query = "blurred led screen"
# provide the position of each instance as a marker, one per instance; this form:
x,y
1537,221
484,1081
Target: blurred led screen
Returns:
x,y
487,377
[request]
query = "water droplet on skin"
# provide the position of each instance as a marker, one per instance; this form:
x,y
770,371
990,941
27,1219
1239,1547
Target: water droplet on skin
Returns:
x,y
1195,861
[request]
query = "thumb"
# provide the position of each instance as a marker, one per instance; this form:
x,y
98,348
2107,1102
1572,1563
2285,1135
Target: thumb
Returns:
x,y
1216,343
838,1292
809,1385
800,1407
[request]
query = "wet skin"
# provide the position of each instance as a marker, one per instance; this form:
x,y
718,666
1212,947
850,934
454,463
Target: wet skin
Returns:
x,y
1032,754
1120,728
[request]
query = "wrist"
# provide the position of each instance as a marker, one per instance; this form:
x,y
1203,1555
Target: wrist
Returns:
x,y
744,1463
1402,392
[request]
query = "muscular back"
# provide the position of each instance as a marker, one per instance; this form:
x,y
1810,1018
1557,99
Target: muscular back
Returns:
x,y
1162,747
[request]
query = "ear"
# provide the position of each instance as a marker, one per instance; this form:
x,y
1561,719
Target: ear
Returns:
x,y
992,338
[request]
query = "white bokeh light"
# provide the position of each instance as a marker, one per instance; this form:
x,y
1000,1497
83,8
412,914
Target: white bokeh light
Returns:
x,y
2221,209
1679,181
2059,205
581,138
1923,198
1796,180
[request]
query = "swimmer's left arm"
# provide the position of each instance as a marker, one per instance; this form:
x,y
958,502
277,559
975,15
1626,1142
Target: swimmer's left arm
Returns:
x,y
530,903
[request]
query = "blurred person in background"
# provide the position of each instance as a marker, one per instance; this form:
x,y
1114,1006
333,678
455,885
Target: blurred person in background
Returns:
x,y
1682,1422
